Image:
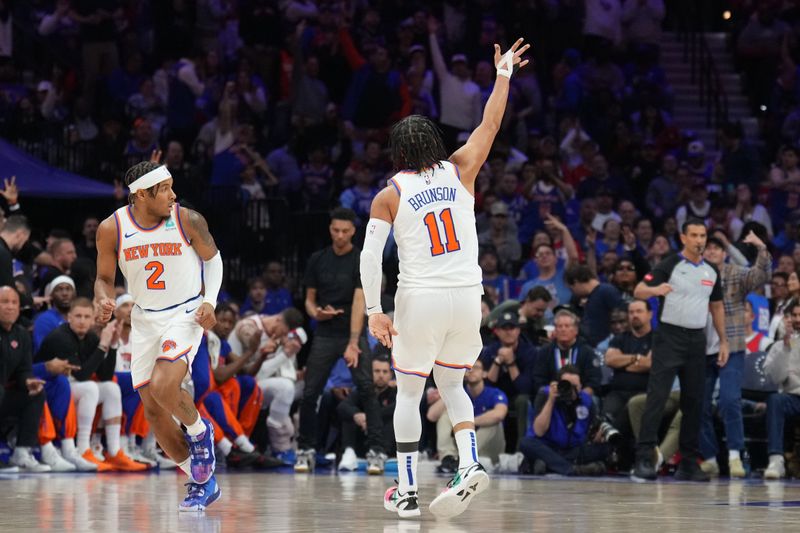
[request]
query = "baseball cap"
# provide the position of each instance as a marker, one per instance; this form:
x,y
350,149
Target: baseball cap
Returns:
x,y
696,148
507,319
499,208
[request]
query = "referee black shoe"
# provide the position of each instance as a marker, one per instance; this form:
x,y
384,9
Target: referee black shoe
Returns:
x,y
645,469
689,470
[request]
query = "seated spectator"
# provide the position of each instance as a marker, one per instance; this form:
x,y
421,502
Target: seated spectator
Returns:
x,y
75,342
58,419
602,178
601,299
667,451
501,237
21,394
551,276
662,192
625,278
558,437
278,297
566,350
256,297
490,407
778,301
61,292
605,211
359,197
502,285
782,366
629,354
510,360
698,205
354,420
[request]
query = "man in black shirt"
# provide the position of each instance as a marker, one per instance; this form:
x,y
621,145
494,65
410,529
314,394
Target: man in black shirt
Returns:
x,y
334,299
13,237
75,342
601,299
21,394
629,354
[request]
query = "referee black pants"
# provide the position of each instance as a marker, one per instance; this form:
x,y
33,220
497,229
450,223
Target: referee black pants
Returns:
x,y
676,351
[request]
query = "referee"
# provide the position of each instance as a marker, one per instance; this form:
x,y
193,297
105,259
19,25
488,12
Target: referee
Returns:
x,y
688,289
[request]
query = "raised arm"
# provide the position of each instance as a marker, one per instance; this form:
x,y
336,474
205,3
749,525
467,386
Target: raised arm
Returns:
x,y
106,269
470,157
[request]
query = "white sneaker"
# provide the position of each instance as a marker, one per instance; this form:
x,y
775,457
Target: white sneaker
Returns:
x,y
53,459
455,498
24,459
80,463
776,468
349,462
135,453
164,463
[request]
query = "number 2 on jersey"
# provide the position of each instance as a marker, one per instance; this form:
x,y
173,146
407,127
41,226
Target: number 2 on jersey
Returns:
x,y
451,244
153,282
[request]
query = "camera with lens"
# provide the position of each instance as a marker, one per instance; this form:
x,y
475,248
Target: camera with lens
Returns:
x,y
567,392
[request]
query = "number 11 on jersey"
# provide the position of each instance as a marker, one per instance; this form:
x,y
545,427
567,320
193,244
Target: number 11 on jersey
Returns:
x,y
451,244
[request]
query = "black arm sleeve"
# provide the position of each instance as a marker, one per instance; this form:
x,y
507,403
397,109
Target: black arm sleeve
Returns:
x,y
662,271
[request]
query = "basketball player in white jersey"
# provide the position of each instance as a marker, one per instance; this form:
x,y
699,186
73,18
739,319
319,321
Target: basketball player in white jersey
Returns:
x,y
430,204
174,272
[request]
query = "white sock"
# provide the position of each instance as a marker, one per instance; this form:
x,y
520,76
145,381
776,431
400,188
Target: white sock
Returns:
x,y
225,446
467,448
733,454
47,447
244,444
68,447
124,442
84,434
407,471
112,438
186,466
149,442
197,428
776,457
713,460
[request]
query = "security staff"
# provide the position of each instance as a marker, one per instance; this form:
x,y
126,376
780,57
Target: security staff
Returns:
x,y
688,289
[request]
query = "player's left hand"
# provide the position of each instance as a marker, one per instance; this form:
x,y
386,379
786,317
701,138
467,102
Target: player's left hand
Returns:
x,y
381,327
351,354
205,316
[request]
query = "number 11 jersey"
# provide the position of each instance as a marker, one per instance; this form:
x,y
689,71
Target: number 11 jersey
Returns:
x,y
161,268
435,231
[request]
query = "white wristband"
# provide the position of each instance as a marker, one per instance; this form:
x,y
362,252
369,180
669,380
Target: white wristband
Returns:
x,y
505,67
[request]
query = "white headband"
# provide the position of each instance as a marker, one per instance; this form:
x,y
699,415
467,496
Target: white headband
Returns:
x,y
122,299
153,177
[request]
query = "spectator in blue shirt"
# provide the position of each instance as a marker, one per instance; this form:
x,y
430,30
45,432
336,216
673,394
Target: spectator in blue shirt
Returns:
x,y
551,276
601,299
61,292
503,287
278,296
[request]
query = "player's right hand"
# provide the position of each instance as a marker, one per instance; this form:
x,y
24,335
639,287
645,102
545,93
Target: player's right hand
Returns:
x,y
105,309
381,327
663,289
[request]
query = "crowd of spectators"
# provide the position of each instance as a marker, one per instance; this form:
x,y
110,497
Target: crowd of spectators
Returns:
x,y
586,189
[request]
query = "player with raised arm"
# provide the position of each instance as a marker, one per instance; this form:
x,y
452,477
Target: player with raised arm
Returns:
x,y
430,205
174,272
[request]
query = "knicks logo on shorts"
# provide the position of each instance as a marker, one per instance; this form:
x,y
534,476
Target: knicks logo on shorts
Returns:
x,y
168,345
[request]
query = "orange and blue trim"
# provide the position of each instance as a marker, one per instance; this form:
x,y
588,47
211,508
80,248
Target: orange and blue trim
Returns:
x,y
180,225
396,186
142,384
141,228
450,365
173,359
119,235
407,372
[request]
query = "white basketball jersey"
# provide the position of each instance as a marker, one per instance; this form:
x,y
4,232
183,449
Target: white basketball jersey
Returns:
x,y
124,351
161,268
435,231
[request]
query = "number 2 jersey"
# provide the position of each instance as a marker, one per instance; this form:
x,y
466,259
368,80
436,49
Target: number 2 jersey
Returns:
x,y
161,268
435,229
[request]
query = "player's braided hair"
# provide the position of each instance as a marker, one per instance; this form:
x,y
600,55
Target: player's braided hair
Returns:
x,y
137,171
416,144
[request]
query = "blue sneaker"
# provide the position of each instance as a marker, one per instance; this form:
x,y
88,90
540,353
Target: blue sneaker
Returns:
x,y
288,457
201,451
201,495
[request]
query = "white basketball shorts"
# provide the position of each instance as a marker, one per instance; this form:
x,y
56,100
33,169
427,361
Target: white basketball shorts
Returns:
x,y
168,335
436,326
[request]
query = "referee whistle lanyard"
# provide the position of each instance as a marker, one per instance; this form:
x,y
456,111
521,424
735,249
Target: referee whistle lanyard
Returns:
x,y
573,356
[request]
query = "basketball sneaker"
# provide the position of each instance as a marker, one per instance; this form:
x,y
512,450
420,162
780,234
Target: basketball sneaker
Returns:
x,y
201,451
776,469
349,462
122,463
154,456
24,459
53,459
102,466
405,505
376,462
80,463
201,495
465,485
306,461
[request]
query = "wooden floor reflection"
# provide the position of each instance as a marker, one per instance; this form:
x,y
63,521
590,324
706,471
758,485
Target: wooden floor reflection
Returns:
x,y
331,503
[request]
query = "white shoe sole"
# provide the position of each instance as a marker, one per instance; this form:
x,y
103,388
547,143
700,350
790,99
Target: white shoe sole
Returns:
x,y
200,508
452,502
347,468
402,513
